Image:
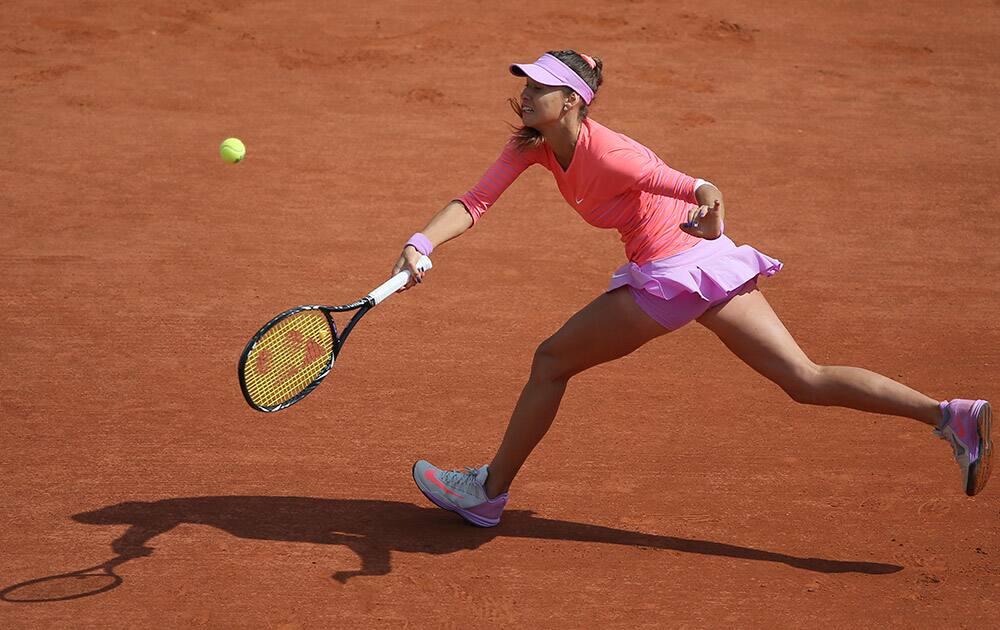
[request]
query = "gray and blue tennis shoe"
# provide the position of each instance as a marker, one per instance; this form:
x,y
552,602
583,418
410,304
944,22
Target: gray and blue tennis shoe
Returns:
x,y
461,491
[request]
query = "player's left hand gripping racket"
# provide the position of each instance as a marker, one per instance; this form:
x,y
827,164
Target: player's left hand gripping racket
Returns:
x,y
294,352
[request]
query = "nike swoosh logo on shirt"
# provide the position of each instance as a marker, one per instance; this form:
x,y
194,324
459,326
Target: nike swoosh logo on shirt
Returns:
x,y
429,476
579,200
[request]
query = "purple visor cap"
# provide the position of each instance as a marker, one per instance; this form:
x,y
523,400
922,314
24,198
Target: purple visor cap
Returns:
x,y
549,70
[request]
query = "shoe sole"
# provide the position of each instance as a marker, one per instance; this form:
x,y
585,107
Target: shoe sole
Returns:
x,y
979,470
475,519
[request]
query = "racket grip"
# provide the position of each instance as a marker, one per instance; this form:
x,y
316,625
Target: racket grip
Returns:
x,y
397,282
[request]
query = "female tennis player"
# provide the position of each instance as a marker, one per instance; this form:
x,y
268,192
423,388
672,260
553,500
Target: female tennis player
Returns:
x,y
681,268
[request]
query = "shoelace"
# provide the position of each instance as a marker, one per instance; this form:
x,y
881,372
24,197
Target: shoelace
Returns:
x,y
464,480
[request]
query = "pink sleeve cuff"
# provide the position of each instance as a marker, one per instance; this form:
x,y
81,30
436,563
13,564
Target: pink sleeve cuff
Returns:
x,y
475,210
421,243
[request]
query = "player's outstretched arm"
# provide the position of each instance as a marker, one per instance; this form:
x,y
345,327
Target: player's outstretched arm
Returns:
x,y
450,222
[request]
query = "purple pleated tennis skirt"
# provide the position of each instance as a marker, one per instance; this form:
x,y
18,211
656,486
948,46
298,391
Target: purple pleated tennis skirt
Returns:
x,y
680,288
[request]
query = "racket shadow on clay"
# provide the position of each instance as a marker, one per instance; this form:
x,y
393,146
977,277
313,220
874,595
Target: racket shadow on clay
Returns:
x,y
374,529
94,580
65,586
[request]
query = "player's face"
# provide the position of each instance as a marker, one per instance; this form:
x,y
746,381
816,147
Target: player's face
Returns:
x,y
541,104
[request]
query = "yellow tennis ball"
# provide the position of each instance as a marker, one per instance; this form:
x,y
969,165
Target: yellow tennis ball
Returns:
x,y
232,150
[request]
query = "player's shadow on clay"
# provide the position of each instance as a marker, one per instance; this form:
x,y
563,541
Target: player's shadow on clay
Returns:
x,y
372,529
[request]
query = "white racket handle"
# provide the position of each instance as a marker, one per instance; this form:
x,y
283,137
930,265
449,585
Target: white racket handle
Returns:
x,y
398,281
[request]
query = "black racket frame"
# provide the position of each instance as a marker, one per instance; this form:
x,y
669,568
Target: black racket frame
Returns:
x,y
363,305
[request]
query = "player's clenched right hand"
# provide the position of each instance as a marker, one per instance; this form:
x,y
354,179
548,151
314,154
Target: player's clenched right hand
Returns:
x,y
408,262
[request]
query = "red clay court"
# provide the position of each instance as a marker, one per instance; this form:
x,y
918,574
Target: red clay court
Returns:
x,y
856,142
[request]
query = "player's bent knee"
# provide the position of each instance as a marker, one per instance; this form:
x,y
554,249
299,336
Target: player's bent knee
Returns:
x,y
549,364
803,384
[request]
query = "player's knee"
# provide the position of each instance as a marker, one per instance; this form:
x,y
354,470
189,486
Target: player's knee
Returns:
x,y
803,384
549,363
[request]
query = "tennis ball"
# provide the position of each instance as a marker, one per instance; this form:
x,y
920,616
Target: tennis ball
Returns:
x,y
232,150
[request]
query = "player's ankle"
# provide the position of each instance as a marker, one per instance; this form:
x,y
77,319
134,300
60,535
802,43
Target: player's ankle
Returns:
x,y
492,495
492,490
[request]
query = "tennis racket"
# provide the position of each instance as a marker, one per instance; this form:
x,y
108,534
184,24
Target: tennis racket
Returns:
x,y
294,352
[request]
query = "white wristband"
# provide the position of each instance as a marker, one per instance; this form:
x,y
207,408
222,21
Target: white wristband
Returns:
x,y
698,183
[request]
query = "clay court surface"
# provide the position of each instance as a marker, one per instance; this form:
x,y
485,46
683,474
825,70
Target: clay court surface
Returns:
x,y
677,488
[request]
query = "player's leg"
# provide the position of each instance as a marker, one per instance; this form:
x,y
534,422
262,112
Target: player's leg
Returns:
x,y
749,327
610,327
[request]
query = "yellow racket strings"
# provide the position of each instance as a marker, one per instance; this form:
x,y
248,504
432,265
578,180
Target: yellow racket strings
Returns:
x,y
288,358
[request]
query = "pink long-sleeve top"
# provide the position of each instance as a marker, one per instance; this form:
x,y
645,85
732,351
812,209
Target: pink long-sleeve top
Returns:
x,y
612,182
